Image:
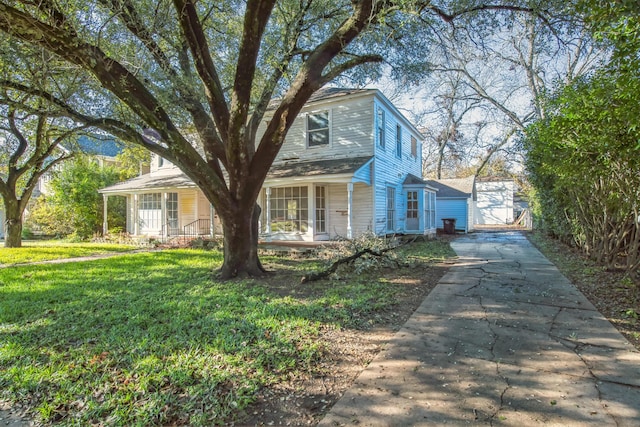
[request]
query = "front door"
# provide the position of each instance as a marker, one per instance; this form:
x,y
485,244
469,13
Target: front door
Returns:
x,y
412,211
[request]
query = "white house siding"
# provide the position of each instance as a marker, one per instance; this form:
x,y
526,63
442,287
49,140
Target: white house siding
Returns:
x,y
350,129
361,214
453,208
470,215
204,207
187,206
389,170
495,202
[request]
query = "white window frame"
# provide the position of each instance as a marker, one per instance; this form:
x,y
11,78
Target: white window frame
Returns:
x,y
391,209
430,210
290,207
308,132
324,189
414,147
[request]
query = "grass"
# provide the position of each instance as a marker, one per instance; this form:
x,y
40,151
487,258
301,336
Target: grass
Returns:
x,y
151,339
49,250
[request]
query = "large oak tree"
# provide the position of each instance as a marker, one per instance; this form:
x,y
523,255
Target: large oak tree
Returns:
x,y
191,81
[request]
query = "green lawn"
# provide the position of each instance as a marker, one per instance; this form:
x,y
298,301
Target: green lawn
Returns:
x,y
50,249
151,339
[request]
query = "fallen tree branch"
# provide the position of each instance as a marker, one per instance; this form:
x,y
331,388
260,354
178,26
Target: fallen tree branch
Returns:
x,y
310,277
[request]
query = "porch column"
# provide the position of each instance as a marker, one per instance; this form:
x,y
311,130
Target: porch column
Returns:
x,y
267,191
105,224
212,226
349,209
164,230
196,214
136,222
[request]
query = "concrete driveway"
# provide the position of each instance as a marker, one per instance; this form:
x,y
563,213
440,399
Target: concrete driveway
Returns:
x,y
503,340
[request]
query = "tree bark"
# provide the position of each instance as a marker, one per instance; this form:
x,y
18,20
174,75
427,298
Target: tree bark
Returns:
x,y
12,225
241,246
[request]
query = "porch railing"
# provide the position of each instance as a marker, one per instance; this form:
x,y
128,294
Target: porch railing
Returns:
x,y
170,229
199,227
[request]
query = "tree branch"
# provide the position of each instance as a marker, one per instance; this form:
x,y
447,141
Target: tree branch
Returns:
x,y
197,42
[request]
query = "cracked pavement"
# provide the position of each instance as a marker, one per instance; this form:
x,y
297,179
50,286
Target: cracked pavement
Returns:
x,y
503,340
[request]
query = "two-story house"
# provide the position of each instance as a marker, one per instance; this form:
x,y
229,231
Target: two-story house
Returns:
x,y
351,163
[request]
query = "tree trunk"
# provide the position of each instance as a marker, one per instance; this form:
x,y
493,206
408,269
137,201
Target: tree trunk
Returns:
x,y
241,245
12,225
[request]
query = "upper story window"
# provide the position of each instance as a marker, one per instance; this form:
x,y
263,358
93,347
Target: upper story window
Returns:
x,y
160,161
381,126
398,141
318,129
414,147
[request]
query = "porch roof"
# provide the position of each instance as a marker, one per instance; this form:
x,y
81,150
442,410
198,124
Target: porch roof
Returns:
x,y
173,178
317,168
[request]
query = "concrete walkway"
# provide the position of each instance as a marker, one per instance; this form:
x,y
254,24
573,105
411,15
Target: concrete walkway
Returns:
x,y
503,340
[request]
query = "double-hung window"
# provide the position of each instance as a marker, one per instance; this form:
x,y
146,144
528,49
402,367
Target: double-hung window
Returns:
x,y
398,141
318,129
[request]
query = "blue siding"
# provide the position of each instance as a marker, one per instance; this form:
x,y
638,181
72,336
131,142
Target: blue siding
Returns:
x,y
391,170
453,208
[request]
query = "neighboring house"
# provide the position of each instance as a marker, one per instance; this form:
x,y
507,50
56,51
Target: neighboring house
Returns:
x,y
495,201
104,152
350,163
456,199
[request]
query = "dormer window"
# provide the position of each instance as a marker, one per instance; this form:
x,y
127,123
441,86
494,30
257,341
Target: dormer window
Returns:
x,y
318,129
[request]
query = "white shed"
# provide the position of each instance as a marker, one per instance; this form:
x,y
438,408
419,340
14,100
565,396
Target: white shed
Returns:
x,y
494,204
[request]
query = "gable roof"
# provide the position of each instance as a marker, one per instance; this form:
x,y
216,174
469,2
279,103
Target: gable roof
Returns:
x,y
336,92
454,188
413,180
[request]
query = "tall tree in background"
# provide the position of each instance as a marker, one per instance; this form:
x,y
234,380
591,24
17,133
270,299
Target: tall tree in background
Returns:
x,y
192,81
30,148
31,130
507,74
